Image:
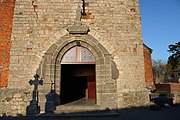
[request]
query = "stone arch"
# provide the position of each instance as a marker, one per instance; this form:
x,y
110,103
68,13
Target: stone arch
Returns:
x,y
57,37
105,85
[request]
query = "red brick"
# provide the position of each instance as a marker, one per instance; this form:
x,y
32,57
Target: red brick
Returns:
x,y
6,20
148,66
173,87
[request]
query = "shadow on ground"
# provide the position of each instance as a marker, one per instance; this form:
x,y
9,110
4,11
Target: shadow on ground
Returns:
x,y
138,113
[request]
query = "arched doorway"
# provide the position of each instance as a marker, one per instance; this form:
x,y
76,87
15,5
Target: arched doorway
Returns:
x,y
105,87
78,84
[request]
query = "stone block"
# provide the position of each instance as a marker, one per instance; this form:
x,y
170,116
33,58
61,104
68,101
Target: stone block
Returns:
x,y
17,95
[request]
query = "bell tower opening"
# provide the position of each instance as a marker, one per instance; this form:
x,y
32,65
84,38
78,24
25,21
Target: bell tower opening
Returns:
x,y
78,81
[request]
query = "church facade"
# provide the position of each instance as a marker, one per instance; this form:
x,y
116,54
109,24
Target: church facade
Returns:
x,y
81,49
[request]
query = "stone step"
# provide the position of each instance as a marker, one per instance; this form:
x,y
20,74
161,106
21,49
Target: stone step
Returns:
x,y
82,115
76,108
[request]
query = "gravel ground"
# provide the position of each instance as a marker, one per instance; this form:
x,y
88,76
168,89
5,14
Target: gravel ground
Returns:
x,y
172,113
168,113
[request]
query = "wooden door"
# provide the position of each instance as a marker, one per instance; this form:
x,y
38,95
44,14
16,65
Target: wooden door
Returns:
x,y
91,88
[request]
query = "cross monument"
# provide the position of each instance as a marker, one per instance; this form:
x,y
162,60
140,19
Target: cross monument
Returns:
x,y
33,108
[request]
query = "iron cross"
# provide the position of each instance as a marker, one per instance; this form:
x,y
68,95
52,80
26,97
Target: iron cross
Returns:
x,y
36,82
84,4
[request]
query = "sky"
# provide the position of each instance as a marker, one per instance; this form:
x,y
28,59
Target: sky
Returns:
x,y
160,25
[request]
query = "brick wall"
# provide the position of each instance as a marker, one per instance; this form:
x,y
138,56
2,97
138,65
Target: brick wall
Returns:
x,y
6,19
173,87
148,65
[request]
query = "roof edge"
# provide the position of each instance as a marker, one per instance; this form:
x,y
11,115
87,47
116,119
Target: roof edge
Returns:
x,y
150,50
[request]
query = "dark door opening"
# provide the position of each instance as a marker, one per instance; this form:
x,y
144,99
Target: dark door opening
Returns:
x,y
77,82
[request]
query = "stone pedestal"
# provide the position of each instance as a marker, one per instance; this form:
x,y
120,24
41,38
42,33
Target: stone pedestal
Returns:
x,y
33,109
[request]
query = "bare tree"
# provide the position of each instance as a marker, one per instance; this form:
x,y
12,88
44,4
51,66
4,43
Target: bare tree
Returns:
x,y
159,70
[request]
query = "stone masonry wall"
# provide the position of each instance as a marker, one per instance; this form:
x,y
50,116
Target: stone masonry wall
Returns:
x,y
38,24
13,102
6,20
